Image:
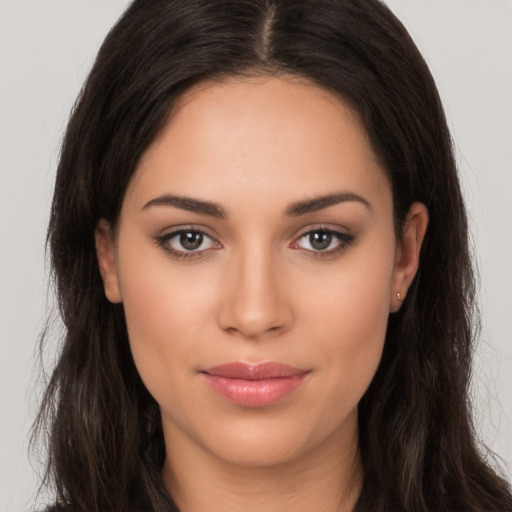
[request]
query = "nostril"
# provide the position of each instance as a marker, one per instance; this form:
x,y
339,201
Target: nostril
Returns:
x,y
254,300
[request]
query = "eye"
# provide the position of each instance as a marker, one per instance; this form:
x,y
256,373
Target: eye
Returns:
x,y
323,241
187,242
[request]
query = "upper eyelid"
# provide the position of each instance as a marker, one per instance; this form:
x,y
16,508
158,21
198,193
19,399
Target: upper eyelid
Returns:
x,y
341,230
344,240
170,232
173,231
164,242
338,234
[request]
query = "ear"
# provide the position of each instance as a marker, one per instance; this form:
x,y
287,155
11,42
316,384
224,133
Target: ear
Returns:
x,y
106,255
408,253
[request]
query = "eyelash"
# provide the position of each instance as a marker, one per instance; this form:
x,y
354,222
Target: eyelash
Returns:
x,y
163,241
344,240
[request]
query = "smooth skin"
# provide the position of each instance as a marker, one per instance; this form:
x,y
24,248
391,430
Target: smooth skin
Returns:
x,y
220,255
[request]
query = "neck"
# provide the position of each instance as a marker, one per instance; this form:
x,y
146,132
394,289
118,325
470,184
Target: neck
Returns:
x,y
326,478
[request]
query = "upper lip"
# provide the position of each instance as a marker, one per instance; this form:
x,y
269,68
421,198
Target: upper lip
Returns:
x,y
261,371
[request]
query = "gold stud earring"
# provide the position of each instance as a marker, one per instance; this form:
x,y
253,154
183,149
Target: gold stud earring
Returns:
x,y
398,296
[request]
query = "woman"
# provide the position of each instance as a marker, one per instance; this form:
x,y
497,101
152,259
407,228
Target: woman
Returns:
x,y
260,251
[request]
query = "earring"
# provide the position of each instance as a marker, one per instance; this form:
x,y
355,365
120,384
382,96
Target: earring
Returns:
x,y
398,296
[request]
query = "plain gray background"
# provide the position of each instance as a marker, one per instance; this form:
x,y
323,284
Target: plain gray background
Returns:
x,y
46,50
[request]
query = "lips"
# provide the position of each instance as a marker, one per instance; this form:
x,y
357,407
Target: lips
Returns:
x,y
257,385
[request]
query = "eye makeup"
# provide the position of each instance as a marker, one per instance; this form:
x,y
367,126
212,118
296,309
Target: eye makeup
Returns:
x,y
187,243
323,242
191,242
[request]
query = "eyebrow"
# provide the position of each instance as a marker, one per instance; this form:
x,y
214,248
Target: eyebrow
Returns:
x,y
294,210
189,204
319,203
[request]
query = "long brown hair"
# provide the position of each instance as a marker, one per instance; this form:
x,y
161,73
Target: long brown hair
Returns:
x,y
102,427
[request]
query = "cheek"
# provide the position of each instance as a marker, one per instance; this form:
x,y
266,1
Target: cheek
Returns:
x,y
350,319
340,318
166,312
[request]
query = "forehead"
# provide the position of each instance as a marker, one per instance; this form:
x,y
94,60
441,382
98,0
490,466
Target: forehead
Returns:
x,y
272,136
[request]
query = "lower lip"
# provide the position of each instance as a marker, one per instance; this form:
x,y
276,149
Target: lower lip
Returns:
x,y
254,393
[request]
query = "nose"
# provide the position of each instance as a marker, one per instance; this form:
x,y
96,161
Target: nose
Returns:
x,y
254,300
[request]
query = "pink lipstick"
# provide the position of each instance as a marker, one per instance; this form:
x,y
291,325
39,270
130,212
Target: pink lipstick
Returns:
x,y
254,385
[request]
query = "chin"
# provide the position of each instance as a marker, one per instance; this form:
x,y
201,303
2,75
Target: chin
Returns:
x,y
269,438
260,451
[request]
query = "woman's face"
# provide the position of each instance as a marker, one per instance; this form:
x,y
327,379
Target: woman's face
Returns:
x,y
257,263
